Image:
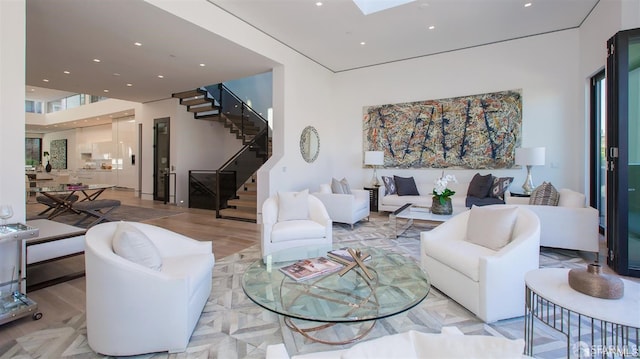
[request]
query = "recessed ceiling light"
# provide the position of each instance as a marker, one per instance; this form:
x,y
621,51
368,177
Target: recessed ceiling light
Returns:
x,y
105,90
32,90
116,74
66,72
137,44
96,60
363,43
319,3
202,65
431,27
160,76
129,85
527,4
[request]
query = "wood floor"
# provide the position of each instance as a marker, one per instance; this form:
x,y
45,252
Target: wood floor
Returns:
x,y
64,300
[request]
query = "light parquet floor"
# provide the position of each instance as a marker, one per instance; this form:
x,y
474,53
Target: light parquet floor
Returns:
x,y
243,329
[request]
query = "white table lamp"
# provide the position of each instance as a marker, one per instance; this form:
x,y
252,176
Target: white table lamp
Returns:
x,y
374,158
529,156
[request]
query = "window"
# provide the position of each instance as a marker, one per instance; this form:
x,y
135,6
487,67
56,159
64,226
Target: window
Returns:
x,y
32,151
32,106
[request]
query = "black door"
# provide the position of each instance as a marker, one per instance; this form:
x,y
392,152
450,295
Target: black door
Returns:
x,y
160,159
623,152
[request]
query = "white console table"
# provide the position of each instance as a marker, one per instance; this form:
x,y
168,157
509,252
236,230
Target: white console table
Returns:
x,y
54,242
597,327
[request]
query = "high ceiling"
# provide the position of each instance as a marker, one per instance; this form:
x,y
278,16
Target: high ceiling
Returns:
x,y
67,35
331,34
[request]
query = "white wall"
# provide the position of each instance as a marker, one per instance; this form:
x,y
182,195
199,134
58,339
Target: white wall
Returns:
x,y
12,67
549,92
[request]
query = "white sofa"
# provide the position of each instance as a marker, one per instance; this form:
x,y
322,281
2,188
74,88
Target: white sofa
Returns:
x,y
569,225
392,202
133,309
451,343
345,208
488,282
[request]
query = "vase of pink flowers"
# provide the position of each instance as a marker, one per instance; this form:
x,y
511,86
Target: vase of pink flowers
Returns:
x,y
441,201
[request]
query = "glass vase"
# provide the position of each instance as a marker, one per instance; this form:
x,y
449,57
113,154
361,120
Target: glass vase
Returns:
x,y
439,208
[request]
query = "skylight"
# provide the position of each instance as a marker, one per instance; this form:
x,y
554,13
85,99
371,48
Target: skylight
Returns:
x,y
370,6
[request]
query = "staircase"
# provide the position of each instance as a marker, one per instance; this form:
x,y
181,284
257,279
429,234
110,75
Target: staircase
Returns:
x,y
244,206
217,103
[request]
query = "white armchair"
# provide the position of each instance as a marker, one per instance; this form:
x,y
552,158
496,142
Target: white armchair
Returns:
x,y
346,208
314,230
134,309
488,282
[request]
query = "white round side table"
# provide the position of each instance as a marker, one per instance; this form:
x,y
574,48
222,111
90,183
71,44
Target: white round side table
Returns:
x,y
598,327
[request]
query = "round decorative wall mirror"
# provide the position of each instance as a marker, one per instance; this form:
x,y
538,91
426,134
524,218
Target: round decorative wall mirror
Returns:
x,y
309,144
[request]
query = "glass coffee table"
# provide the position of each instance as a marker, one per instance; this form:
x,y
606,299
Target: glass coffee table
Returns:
x,y
312,305
412,212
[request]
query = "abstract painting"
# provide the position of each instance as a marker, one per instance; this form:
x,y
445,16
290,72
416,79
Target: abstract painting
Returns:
x,y
475,132
58,149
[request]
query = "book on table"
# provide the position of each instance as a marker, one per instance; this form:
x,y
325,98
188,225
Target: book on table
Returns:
x,y
344,254
310,268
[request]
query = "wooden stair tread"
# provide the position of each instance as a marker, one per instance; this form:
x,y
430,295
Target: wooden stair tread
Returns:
x,y
196,101
187,94
242,202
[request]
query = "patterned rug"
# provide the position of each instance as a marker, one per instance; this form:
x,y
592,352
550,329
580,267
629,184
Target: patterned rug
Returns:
x,y
231,326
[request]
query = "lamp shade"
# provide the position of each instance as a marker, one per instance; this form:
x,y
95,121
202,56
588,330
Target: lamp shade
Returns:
x,y
374,158
530,156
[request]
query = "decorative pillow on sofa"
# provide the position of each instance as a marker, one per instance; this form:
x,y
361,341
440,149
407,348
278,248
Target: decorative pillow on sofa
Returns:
x,y
480,185
340,187
491,227
130,243
545,195
569,198
293,205
406,186
389,185
499,186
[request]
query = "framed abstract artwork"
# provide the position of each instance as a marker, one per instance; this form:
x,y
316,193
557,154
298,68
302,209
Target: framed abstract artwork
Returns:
x,y
58,151
473,132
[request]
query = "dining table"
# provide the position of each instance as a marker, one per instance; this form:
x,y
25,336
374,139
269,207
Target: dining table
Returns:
x,y
61,194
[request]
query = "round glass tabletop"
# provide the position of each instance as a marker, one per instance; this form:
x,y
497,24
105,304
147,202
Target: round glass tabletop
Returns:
x,y
398,284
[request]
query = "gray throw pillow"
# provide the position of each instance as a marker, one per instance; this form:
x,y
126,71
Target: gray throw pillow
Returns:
x,y
480,185
389,185
340,187
545,195
499,186
406,186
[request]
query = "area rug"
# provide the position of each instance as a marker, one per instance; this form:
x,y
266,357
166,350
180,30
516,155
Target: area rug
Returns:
x,y
123,212
231,326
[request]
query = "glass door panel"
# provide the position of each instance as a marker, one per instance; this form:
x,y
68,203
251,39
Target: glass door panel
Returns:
x,y
623,152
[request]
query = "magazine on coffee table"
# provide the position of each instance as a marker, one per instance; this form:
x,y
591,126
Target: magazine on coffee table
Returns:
x,y
309,268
